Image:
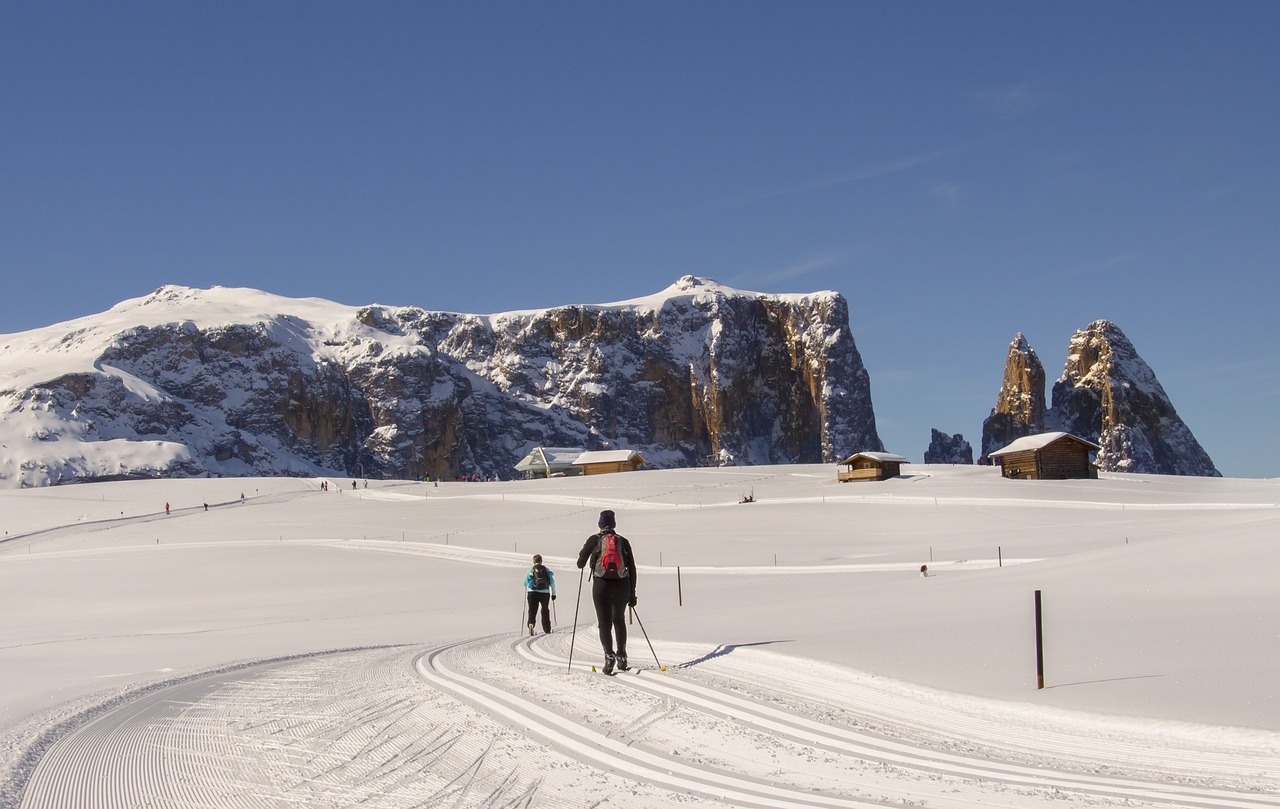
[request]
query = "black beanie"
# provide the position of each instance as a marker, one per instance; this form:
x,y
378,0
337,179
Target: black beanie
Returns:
x,y
606,520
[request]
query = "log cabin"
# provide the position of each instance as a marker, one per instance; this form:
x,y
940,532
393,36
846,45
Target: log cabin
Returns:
x,y
1047,456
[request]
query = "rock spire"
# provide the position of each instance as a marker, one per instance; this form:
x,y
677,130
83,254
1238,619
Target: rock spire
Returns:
x,y
1107,394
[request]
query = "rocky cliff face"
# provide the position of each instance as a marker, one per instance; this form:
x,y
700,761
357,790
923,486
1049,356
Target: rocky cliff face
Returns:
x,y
238,382
948,449
1019,409
1108,395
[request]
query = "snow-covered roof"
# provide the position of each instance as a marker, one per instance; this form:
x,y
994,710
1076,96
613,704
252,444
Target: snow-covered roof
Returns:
x,y
1040,441
607,456
883,457
549,458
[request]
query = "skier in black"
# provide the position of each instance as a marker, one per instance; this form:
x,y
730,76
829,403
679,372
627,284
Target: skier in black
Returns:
x,y
613,569
540,591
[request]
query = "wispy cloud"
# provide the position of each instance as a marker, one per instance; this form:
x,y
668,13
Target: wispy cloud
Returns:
x,y
867,172
1223,192
1102,265
1264,370
1249,380
946,193
1013,101
870,171
827,260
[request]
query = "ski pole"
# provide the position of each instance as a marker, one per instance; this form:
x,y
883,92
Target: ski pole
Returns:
x,y
646,639
577,603
524,606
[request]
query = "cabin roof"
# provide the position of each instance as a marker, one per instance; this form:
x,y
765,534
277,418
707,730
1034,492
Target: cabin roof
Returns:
x,y
1040,441
607,456
883,457
544,457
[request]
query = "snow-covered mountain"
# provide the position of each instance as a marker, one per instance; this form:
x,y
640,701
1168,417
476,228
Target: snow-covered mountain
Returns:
x,y
1108,394
221,381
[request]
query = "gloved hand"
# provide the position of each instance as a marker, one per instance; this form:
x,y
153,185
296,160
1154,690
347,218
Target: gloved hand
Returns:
x,y
553,598
632,602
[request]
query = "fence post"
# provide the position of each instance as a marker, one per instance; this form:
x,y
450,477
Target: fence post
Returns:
x,y
1039,646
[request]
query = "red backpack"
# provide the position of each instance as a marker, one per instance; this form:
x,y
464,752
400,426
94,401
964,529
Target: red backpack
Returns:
x,y
610,564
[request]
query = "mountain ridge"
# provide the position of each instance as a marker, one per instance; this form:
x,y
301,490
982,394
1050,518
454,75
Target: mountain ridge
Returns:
x,y
236,381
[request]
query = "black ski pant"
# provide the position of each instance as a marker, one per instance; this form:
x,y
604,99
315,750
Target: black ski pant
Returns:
x,y
542,600
610,597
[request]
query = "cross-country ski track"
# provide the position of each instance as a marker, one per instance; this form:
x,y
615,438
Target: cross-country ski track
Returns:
x,y
502,721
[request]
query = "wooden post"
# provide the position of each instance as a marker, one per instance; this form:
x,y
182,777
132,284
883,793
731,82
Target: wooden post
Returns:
x,y
1000,555
1039,646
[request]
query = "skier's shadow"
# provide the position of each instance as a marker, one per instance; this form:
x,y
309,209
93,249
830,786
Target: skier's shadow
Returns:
x,y
722,650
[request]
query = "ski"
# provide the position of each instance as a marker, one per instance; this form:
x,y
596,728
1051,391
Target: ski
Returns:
x,y
634,671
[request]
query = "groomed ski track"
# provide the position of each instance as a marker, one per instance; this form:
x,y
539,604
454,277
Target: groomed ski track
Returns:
x,y
502,721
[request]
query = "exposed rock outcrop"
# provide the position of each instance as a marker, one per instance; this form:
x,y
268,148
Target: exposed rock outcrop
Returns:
x,y
1019,409
948,449
239,382
1107,394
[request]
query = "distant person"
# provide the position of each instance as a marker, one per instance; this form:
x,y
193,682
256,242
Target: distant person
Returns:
x,y
540,591
613,589
924,571
166,508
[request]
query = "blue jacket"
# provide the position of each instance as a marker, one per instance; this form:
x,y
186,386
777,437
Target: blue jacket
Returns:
x,y
551,582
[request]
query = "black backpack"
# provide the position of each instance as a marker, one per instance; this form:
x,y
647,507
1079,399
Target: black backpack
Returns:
x,y
541,581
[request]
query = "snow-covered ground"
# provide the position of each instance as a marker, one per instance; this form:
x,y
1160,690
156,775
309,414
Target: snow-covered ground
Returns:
x,y
363,647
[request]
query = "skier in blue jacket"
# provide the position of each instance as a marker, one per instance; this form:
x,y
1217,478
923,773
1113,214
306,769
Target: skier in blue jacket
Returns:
x,y
540,589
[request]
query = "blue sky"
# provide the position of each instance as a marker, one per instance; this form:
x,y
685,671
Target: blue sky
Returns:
x,y
961,172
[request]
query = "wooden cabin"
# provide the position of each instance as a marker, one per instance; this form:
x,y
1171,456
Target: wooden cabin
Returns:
x,y
871,466
547,461
1047,456
603,462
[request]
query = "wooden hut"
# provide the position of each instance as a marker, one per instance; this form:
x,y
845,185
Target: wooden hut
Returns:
x,y
871,466
1047,456
603,462
548,461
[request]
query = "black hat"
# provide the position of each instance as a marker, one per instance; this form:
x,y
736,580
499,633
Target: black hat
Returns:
x,y
606,520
